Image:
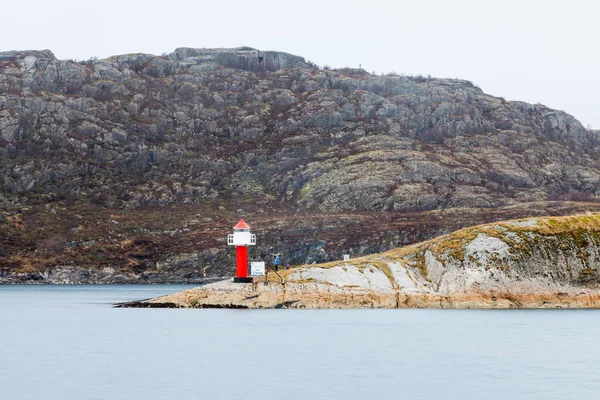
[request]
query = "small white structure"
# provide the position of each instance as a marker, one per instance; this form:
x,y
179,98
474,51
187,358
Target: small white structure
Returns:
x,y
241,235
346,257
257,268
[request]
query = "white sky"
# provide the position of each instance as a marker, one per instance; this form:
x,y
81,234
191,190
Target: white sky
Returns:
x,y
530,50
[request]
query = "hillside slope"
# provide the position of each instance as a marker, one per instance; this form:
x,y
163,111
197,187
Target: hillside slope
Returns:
x,y
528,263
128,163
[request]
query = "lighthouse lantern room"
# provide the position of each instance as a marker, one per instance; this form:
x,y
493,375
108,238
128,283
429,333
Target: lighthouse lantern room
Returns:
x,y
241,238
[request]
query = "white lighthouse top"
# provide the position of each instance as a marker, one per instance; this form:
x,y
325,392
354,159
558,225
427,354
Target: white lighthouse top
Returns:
x,y
241,235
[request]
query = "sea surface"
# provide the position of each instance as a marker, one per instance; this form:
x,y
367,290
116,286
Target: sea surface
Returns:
x,y
68,342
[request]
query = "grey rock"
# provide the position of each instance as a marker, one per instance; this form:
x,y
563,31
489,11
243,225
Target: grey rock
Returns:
x,y
119,135
241,58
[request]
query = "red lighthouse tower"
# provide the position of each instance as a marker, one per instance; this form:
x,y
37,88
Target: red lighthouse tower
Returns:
x,y
241,239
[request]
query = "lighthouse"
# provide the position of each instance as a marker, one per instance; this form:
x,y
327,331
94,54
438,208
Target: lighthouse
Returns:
x,y
241,238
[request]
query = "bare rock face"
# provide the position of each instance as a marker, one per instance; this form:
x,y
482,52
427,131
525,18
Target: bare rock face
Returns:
x,y
517,258
31,55
245,58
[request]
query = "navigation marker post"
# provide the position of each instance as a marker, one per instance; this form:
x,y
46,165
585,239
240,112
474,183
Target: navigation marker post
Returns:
x,y
241,238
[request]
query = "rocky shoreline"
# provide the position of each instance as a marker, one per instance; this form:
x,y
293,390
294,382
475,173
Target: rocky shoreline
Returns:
x,y
68,275
225,294
530,263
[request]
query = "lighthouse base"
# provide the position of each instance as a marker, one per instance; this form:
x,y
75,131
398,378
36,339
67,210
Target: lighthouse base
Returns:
x,y
243,280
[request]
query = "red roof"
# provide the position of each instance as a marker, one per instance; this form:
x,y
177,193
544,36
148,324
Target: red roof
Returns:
x,y
241,225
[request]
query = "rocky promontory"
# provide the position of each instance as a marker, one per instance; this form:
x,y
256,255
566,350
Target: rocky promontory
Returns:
x,y
546,262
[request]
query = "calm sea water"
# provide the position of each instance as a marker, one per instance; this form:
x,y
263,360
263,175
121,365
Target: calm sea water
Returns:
x,y
66,342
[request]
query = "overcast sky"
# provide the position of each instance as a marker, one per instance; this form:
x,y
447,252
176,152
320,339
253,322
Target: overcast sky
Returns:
x,y
530,50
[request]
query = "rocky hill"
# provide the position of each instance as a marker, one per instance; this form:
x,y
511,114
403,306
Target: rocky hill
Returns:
x,y
134,168
547,262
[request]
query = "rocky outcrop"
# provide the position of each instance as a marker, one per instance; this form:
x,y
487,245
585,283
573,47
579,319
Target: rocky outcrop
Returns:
x,y
67,275
218,122
532,263
244,58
